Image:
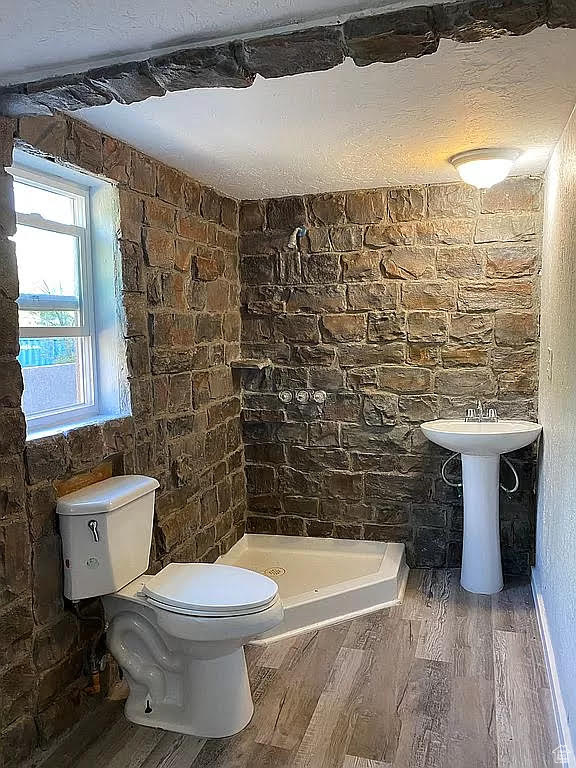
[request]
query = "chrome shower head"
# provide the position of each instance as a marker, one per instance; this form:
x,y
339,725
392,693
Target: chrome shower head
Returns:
x,y
296,234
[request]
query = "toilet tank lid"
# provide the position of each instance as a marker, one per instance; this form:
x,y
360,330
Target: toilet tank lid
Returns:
x,y
106,495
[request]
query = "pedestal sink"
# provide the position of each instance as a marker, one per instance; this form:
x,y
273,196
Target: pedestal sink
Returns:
x,y
481,444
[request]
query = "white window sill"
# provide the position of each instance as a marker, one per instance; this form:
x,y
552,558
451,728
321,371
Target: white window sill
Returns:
x,y
37,434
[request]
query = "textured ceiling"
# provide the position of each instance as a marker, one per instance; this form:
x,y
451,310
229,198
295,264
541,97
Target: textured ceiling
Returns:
x,y
356,127
40,37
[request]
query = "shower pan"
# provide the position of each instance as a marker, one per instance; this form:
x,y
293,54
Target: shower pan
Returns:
x,y
323,581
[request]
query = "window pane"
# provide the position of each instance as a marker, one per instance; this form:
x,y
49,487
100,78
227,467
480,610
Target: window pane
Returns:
x,y
54,375
48,318
49,205
47,262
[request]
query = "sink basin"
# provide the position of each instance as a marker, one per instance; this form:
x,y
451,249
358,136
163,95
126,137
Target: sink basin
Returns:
x,y
484,438
480,444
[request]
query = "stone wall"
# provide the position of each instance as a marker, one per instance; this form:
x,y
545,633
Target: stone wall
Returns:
x,y
178,243
404,305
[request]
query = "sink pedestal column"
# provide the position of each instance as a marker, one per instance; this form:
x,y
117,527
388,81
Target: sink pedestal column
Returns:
x,y
481,561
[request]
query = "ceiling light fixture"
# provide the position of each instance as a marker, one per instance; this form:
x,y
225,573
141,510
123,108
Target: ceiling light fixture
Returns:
x,y
485,167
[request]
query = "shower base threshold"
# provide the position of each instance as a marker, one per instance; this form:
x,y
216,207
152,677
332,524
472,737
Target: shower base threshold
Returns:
x,y
323,581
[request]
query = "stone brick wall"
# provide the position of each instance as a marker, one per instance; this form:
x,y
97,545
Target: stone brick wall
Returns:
x,y
178,243
404,305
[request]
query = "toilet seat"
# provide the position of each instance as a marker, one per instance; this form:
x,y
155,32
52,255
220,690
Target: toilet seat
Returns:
x,y
192,612
210,590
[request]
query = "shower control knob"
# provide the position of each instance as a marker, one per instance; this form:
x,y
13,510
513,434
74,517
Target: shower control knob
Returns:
x,y
285,396
303,396
319,396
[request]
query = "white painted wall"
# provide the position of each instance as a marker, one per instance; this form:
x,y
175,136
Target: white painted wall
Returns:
x,y
555,572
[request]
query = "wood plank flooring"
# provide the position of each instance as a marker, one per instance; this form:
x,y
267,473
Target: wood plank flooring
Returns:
x,y
446,679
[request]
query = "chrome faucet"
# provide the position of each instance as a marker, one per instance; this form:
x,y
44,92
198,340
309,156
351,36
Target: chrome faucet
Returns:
x,y
492,414
478,414
470,414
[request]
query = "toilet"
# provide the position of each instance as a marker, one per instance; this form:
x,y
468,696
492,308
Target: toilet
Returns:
x,y
178,635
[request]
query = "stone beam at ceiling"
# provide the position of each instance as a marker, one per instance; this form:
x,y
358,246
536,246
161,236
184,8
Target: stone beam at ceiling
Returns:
x,y
386,37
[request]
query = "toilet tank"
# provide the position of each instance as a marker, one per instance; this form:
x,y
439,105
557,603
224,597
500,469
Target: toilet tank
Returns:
x,y
106,531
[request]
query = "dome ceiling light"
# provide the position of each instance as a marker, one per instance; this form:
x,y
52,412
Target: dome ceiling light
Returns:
x,y
483,168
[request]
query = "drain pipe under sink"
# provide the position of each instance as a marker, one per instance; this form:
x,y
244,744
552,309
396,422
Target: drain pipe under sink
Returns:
x,y
459,485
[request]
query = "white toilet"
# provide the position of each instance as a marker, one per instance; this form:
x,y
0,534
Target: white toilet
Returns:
x,y
179,635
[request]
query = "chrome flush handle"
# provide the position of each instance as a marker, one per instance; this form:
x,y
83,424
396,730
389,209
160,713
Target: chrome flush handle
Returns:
x,y
93,525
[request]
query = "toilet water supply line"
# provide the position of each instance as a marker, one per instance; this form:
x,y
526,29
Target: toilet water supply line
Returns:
x,y
96,662
459,485
148,673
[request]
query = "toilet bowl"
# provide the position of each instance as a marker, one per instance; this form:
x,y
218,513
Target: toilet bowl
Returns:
x,y
184,660
179,635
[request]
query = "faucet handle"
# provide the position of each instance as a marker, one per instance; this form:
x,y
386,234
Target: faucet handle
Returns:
x,y
492,414
470,414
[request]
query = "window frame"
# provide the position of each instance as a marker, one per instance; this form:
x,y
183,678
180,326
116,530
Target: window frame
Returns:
x,y
85,331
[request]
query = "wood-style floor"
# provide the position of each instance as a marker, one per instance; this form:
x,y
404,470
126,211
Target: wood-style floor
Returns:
x,y
446,680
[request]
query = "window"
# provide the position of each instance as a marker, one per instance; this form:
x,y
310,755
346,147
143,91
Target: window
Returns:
x,y
59,330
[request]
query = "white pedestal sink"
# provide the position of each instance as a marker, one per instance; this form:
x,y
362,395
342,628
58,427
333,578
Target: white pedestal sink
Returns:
x,y
481,444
